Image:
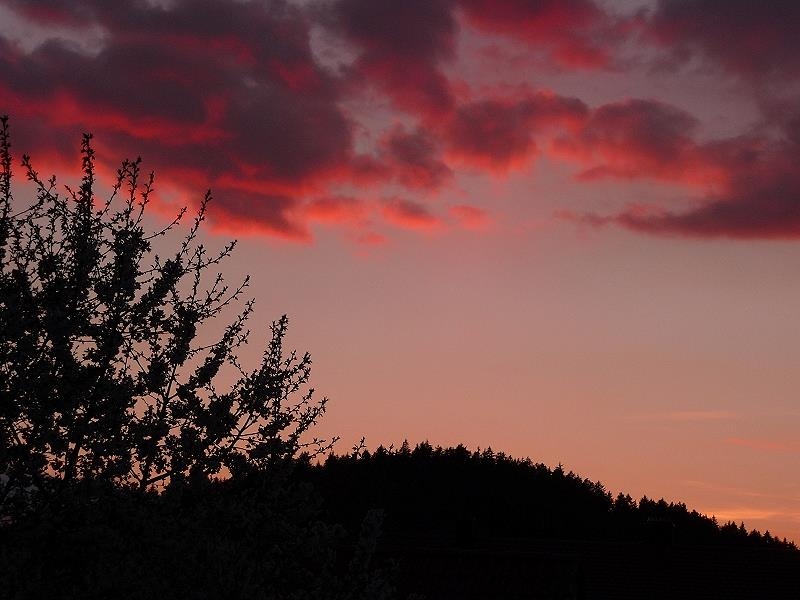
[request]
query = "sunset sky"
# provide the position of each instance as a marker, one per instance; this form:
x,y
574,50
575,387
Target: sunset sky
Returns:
x,y
565,229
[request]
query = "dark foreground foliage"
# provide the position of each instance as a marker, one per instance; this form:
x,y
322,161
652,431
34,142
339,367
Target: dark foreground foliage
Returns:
x,y
254,538
467,524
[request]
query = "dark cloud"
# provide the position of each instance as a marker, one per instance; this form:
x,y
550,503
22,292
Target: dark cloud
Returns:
x,y
254,214
259,30
498,133
490,133
761,202
54,12
755,190
751,38
635,138
769,214
414,159
402,46
574,33
227,94
287,135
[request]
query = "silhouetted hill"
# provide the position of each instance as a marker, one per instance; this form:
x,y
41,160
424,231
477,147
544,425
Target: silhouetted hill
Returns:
x,y
457,525
467,524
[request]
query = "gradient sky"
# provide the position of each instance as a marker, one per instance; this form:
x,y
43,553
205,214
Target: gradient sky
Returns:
x,y
565,229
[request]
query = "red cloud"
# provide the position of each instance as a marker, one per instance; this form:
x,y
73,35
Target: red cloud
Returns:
x,y
490,134
575,33
757,195
213,94
336,209
498,133
231,96
410,215
351,214
764,213
251,214
635,138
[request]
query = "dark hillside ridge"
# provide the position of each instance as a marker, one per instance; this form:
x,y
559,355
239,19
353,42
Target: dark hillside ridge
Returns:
x,y
464,524
457,525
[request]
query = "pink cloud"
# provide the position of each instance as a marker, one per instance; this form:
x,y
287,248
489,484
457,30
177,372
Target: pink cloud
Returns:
x,y
772,446
410,215
470,217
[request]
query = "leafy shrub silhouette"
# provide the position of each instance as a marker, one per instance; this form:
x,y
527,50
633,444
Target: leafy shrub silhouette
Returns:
x,y
127,466
106,372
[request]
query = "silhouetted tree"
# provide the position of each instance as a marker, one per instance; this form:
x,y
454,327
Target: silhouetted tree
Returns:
x,y
106,371
115,415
